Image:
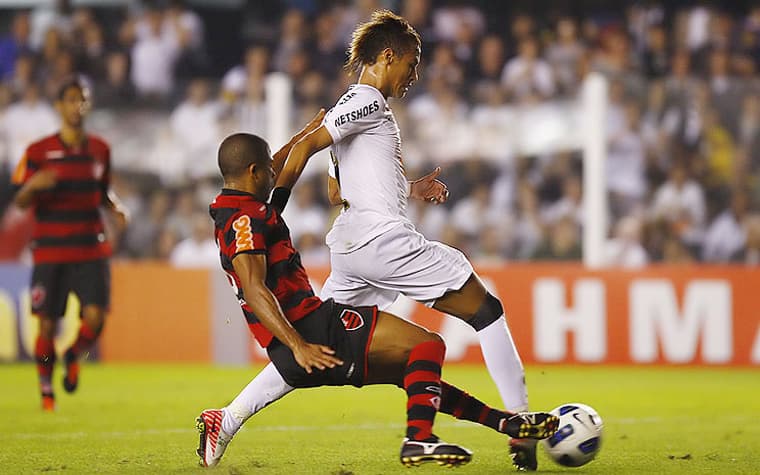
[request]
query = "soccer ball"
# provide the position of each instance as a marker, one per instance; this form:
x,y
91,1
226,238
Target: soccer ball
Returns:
x,y
579,437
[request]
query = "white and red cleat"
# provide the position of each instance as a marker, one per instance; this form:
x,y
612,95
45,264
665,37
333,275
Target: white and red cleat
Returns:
x,y
213,440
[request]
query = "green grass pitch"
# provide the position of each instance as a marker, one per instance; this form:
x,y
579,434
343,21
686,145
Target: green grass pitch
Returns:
x,y
139,419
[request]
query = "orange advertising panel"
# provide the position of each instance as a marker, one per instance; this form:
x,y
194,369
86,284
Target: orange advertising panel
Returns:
x,y
157,314
662,314
557,314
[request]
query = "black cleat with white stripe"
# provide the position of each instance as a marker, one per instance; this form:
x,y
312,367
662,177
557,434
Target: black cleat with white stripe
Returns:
x,y
415,452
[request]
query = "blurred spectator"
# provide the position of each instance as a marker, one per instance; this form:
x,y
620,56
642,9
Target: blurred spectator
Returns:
x,y
328,51
292,39
522,26
183,214
445,67
680,203
718,151
26,121
143,241
199,249
50,15
472,214
750,254
562,242
186,29
255,66
726,235
564,55
749,128
625,249
725,92
486,72
23,74
528,232
115,91
154,55
440,117
570,205
676,251
60,69
250,111
626,164
656,57
15,44
195,128
527,77
492,245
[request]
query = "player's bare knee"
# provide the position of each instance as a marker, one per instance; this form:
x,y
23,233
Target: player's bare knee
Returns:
x,y
434,338
94,317
48,327
490,311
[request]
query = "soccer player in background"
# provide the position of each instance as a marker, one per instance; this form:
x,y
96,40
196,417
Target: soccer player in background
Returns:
x,y
312,342
376,253
65,178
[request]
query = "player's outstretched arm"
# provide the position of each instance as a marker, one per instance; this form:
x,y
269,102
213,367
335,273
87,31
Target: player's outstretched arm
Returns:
x,y
251,269
299,155
278,159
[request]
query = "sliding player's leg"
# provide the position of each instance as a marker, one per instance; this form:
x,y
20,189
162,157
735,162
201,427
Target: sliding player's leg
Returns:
x,y
460,404
409,356
217,427
483,311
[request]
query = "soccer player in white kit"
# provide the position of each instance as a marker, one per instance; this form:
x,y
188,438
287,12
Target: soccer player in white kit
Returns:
x,y
376,253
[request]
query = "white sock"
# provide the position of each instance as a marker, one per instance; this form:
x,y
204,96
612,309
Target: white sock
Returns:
x,y
266,388
503,362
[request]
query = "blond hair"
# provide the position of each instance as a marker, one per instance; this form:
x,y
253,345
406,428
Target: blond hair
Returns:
x,y
384,30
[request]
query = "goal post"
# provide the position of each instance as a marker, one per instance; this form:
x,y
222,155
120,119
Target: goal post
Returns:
x,y
594,118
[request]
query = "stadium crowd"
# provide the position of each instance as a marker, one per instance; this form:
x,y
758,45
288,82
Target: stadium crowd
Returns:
x,y
496,107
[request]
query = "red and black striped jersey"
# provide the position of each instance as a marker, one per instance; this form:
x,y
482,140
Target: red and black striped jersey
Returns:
x,y
68,225
245,225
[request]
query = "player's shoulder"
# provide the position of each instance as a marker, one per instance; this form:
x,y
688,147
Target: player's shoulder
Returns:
x,y
46,143
39,148
360,94
97,142
230,212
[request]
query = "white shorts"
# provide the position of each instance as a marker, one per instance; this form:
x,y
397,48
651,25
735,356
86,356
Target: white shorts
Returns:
x,y
400,261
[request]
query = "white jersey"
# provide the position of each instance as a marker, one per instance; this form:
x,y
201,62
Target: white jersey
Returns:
x,y
367,147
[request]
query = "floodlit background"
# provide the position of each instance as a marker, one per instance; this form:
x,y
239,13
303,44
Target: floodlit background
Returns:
x,y
497,106
603,160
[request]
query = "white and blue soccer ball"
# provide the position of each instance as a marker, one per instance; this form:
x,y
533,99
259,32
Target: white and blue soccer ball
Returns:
x,y
579,437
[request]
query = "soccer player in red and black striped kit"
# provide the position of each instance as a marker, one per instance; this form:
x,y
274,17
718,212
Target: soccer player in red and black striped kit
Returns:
x,y
65,178
324,343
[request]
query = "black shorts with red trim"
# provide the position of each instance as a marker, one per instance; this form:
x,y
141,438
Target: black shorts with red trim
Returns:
x,y
346,329
52,283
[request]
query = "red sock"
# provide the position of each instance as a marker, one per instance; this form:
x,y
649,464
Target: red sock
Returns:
x,y
84,341
422,382
44,354
461,405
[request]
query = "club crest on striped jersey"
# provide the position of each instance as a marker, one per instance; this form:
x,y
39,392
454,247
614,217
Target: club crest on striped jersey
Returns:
x,y
98,169
38,295
351,320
